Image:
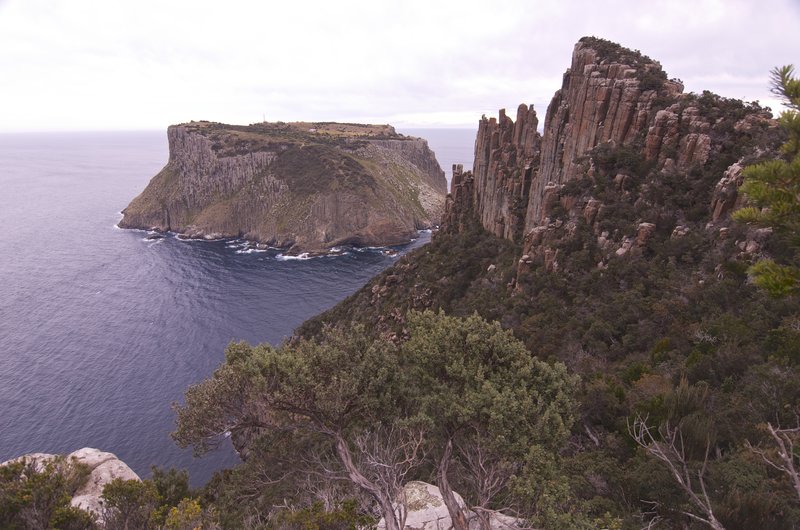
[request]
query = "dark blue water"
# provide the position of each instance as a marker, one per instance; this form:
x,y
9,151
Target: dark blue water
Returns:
x,y
101,330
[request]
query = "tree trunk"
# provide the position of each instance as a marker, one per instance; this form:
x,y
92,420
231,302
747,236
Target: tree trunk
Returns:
x,y
457,516
374,491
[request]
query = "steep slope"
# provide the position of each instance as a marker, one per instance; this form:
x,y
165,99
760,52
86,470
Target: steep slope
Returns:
x,y
607,243
308,186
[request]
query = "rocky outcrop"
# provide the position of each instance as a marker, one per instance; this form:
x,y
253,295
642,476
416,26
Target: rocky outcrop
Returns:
x,y
616,119
426,511
602,100
309,187
506,154
726,193
459,206
104,467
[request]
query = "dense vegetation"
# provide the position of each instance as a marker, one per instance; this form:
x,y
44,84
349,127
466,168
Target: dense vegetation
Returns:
x,y
655,388
460,403
689,395
35,495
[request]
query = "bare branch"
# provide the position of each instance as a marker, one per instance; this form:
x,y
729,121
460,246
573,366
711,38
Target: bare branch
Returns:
x,y
672,452
783,457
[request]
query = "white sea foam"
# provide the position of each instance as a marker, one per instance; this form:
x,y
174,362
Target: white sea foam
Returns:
x,y
284,257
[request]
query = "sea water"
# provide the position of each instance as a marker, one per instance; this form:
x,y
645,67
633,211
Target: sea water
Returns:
x,y
102,329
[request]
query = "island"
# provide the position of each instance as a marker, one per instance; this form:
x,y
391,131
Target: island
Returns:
x,y
302,186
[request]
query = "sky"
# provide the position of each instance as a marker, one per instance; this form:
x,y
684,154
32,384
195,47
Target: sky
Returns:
x,y
145,64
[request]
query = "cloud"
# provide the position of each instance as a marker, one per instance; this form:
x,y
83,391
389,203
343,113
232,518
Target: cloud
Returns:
x,y
87,64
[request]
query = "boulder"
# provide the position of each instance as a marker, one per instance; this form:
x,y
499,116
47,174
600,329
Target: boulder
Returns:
x,y
427,511
104,467
644,233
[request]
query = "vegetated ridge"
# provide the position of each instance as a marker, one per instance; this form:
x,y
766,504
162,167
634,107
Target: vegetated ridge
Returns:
x,y
303,186
606,243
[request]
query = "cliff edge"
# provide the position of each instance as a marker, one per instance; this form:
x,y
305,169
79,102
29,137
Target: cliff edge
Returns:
x,y
618,135
303,186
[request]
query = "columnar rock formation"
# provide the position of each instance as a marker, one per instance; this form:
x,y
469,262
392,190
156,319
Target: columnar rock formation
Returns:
x,y
613,102
301,185
506,154
603,99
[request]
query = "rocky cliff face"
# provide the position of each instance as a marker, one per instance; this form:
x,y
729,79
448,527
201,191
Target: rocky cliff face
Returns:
x,y
506,155
303,185
615,116
607,97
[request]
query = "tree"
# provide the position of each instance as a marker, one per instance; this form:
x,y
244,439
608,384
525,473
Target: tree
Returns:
x,y
363,410
129,504
784,456
682,443
486,401
773,189
668,446
341,392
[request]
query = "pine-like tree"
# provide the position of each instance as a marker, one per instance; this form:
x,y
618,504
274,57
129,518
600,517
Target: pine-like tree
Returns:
x,y
773,189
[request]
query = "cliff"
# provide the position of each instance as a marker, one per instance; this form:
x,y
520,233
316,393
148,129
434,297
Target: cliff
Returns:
x,y
615,106
607,243
307,186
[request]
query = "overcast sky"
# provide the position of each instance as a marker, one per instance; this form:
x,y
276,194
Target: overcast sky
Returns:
x,y
83,64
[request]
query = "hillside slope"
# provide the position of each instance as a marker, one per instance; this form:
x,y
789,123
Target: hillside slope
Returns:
x,y
606,243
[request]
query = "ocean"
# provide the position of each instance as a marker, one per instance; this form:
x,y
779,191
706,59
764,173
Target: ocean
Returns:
x,y
101,330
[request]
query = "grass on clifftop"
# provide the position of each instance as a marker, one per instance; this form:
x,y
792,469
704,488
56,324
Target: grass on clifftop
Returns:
x,y
230,140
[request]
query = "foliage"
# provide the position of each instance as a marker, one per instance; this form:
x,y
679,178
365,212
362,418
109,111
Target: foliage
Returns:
x,y
164,501
613,52
773,189
36,494
318,168
344,516
172,487
129,504
363,410
187,515
480,391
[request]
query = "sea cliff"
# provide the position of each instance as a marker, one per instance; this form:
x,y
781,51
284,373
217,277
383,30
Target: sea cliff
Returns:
x,y
607,243
616,116
303,186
